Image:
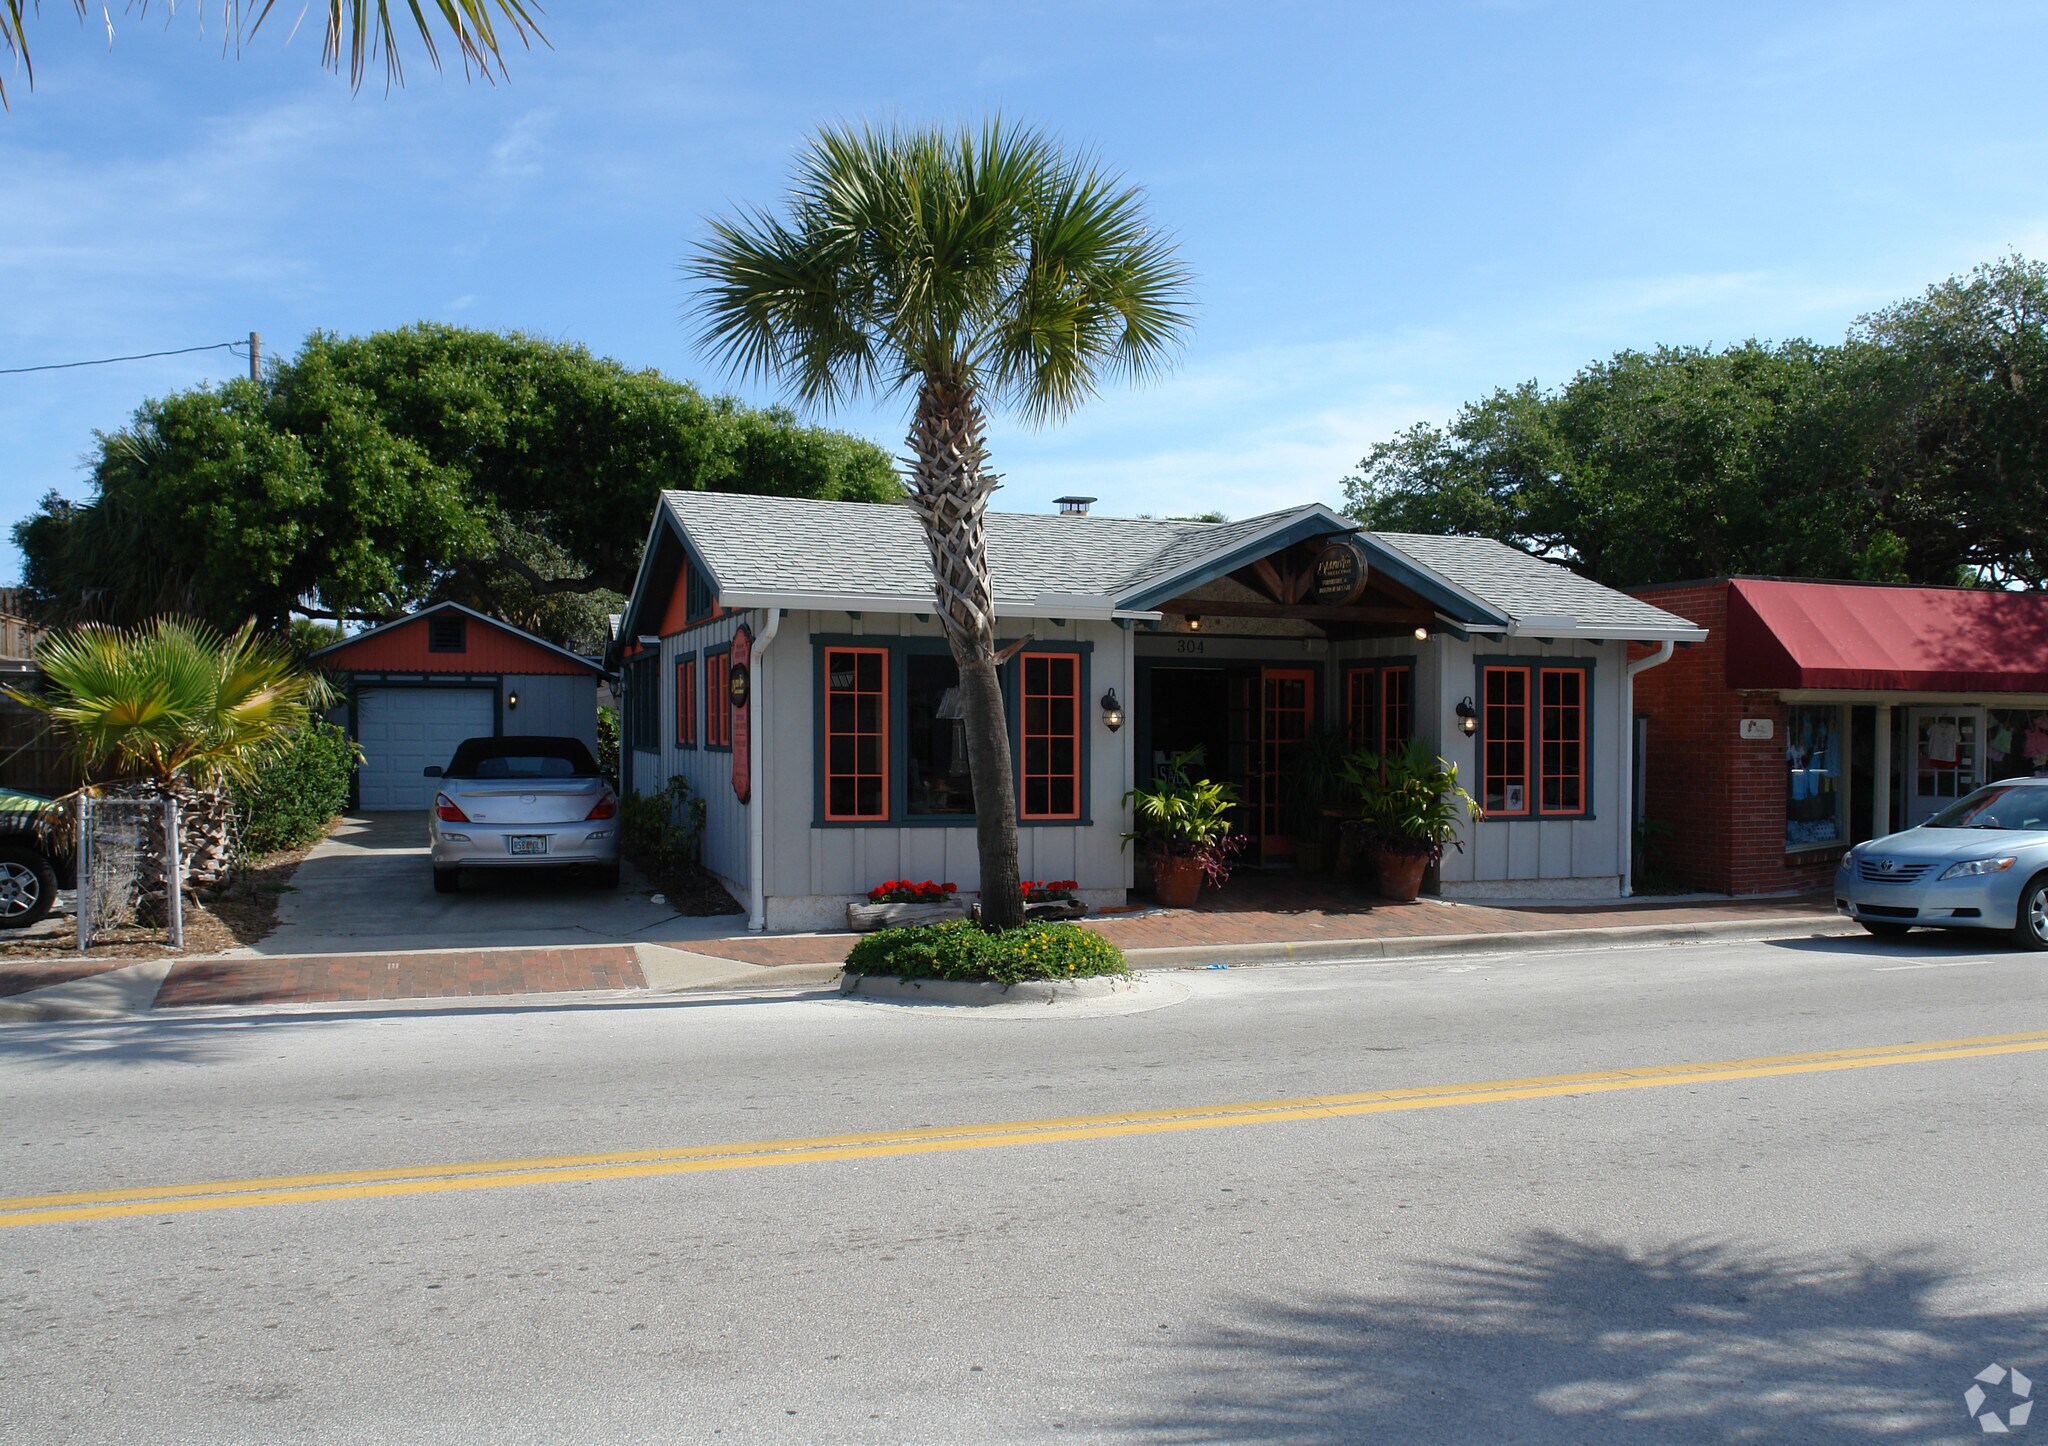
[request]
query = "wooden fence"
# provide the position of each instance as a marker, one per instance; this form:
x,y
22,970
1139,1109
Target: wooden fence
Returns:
x,y
31,758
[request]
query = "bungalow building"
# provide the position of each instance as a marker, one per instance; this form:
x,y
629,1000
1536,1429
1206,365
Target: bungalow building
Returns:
x,y
782,655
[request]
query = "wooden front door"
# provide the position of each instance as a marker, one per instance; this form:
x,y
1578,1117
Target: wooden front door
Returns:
x,y
1287,709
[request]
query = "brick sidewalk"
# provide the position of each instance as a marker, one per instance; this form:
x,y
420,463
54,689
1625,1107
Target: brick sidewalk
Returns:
x,y
338,978
1220,924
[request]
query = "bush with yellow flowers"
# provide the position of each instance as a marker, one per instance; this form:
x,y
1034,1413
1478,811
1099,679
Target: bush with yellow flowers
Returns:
x,y
962,949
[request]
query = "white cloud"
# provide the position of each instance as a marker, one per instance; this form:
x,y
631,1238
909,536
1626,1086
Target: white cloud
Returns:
x,y
518,152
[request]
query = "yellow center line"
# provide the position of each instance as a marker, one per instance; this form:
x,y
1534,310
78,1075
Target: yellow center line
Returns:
x,y
755,1154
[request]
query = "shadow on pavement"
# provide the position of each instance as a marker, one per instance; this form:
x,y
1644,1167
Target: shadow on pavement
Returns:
x,y
1578,1340
1920,944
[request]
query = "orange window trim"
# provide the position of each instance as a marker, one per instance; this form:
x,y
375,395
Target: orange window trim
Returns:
x,y
717,700
1070,692
852,655
1489,709
686,703
1577,772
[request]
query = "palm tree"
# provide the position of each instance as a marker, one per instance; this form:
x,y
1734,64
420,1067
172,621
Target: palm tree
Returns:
x,y
362,29
975,270
174,707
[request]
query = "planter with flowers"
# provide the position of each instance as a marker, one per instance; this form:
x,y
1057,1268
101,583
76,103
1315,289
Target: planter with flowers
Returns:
x,y
1052,899
902,902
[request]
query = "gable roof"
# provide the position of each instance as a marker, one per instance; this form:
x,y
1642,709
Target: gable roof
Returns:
x,y
864,556
332,654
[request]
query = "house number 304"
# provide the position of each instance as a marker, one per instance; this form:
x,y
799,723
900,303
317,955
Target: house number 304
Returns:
x,y
1189,645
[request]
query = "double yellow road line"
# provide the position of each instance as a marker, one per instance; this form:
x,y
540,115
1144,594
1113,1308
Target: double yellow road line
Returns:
x,y
757,1154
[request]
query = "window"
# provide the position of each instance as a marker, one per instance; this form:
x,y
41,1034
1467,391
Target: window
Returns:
x,y
856,733
1050,732
1533,740
698,602
447,633
718,699
686,703
935,728
1814,797
643,702
1379,707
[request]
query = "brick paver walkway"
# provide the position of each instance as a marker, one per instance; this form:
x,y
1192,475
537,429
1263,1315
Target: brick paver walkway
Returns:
x,y
333,978
1225,921
26,974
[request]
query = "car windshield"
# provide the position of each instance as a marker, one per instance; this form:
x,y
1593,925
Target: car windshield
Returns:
x,y
1999,806
522,758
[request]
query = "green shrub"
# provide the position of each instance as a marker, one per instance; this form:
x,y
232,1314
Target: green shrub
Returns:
x,y
293,791
962,949
608,745
663,831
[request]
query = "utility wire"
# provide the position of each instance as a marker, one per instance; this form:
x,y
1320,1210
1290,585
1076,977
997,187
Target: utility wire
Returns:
x,y
110,360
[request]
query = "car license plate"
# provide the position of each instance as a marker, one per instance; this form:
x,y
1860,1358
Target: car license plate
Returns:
x,y
527,843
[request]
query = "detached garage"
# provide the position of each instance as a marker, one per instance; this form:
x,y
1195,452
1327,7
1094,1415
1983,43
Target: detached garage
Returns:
x,y
419,686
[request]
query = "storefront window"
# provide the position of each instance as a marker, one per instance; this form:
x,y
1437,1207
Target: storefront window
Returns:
x,y
1814,796
939,782
2015,743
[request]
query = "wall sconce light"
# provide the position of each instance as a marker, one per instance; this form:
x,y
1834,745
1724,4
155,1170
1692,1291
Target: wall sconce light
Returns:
x,y
1422,635
1468,716
1112,711
512,699
1194,622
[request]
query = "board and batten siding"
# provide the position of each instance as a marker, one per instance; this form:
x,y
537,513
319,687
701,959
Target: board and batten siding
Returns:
x,y
812,872
1530,857
552,705
708,770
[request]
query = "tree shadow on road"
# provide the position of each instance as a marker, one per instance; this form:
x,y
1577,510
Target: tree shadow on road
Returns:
x,y
1578,1340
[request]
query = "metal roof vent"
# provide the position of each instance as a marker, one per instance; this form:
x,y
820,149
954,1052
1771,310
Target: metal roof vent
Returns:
x,y
1073,506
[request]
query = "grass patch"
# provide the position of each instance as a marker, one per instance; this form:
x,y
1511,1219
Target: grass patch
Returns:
x,y
962,949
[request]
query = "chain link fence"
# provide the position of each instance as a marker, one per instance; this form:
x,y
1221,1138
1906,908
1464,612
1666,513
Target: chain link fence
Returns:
x,y
128,867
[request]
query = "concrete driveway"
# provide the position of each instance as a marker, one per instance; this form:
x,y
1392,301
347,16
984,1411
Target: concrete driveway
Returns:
x,y
368,886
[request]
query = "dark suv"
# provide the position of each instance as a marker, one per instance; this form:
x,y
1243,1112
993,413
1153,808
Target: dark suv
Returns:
x,y
36,857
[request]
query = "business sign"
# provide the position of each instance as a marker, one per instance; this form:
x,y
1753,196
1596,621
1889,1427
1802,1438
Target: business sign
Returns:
x,y
1758,730
1339,574
739,693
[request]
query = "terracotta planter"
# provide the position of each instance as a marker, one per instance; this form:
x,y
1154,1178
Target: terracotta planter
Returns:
x,y
1399,876
1177,882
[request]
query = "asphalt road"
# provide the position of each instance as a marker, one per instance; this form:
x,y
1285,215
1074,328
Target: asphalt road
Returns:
x,y
1819,1251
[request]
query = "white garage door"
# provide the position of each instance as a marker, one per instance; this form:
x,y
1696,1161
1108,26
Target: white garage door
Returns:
x,y
402,730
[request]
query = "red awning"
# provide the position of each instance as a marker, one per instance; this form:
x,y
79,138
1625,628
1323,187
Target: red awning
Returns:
x,y
1912,639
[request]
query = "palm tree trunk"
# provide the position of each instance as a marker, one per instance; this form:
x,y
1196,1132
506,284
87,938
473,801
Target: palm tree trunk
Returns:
x,y
950,487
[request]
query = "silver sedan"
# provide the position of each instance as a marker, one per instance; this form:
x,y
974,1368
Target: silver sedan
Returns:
x,y
1981,863
523,803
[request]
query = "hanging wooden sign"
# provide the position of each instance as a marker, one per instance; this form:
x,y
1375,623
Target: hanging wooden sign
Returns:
x,y
1339,573
739,695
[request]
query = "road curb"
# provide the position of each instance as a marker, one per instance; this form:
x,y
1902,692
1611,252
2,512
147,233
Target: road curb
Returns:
x,y
974,992
1365,951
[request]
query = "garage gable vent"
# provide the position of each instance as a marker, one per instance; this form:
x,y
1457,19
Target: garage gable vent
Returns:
x,y
447,633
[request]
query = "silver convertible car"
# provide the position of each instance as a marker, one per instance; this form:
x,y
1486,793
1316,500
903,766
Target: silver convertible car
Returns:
x,y
523,803
1981,863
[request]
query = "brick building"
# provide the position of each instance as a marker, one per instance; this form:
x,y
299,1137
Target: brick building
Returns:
x,y
1815,715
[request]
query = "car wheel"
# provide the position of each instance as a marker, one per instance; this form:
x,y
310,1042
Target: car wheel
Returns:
x,y
1885,931
28,887
2030,930
606,877
447,881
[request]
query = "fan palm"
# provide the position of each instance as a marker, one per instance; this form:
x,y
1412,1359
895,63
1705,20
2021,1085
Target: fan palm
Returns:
x,y
359,29
973,270
172,701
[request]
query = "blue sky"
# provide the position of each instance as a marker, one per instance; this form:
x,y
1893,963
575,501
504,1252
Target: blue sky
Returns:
x,y
1390,208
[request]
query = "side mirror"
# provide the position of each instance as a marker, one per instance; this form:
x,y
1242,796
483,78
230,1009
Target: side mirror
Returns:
x,y
432,770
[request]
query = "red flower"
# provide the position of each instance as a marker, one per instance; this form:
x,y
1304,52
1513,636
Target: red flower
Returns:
x,y
952,888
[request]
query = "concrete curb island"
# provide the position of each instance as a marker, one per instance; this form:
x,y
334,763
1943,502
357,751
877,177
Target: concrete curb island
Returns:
x,y
131,991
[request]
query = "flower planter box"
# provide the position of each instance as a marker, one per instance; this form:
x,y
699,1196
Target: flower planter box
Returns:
x,y
866,918
1057,909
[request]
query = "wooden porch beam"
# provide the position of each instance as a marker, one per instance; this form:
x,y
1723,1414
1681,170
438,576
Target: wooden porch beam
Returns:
x,y
1311,612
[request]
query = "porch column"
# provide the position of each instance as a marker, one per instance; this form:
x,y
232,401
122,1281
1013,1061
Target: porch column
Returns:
x,y
1881,775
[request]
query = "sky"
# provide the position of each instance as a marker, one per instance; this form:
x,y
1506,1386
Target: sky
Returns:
x,y
1389,208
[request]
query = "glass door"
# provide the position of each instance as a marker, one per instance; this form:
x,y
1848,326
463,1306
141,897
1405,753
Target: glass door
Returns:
x,y
1945,758
1287,707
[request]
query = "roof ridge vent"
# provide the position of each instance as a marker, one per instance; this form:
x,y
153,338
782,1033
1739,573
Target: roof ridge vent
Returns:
x,y
1074,506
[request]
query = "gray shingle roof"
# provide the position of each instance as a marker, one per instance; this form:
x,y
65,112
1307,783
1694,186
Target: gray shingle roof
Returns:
x,y
1525,587
789,550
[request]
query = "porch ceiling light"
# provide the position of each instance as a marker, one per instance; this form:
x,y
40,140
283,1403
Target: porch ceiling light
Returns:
x,y
1194,622
1422,635
1112,711
1468,716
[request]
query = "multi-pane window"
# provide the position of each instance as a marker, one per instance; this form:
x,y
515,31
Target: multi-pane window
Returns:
x,y
1532,746
856,734
1050,731
686,703
718,700
1379,707
643,703
698,602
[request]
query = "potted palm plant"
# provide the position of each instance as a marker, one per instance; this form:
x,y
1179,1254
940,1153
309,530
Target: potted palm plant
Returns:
x,y
1411,808
1184,824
